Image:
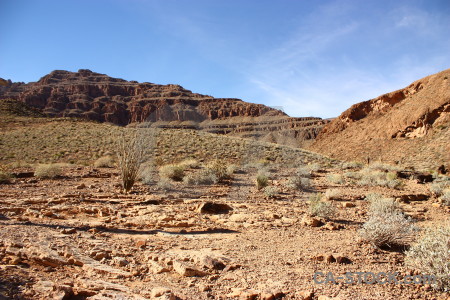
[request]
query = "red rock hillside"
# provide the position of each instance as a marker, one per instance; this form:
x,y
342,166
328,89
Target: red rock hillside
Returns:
x,y
94,96
409,126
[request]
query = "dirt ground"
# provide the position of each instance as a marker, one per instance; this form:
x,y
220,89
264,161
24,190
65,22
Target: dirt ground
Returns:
x,y
78,237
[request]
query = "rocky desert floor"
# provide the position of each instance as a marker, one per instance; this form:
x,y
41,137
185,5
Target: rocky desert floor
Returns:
x,y
78,237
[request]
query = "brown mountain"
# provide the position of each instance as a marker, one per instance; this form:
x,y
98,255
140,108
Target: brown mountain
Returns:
x,y
89,95
410,126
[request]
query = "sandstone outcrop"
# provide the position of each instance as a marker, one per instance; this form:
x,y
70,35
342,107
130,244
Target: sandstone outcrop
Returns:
x,y
98,97
410,126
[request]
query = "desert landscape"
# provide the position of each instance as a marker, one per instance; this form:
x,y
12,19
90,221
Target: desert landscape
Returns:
x,y
115,189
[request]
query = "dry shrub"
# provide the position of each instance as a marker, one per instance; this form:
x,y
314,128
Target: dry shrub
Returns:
x,y
271,191
387,226
320,208
174,172
48,171
431,256
203,177
5,177
104,162
131,151
336,178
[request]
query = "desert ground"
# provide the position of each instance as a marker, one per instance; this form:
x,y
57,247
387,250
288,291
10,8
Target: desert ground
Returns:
x,y
68,230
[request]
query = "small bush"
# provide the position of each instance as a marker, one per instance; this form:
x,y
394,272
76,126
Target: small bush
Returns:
x,y
371,177
383,206
437,188
164,184
352,165
5,177
446,197
261,181
47,171
189,164
271,191
315,167
219,169
353,175
388,230
299,183
104,162
303,172
202,177
146,175
318,207
336,178
431,256
174,172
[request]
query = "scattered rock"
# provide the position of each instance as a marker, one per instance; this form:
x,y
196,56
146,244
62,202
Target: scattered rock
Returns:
x,y
348,204
413,197
311,221
214,208
343,260
305,295
187,271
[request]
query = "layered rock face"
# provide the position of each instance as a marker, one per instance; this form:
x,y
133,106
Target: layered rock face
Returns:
x,y
409,126
94,96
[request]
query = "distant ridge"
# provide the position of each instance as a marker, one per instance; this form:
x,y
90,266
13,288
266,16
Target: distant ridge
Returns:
x,y
410,126
94,96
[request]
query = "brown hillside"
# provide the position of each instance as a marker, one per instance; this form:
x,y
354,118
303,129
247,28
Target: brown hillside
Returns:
x,y
410,126
93,96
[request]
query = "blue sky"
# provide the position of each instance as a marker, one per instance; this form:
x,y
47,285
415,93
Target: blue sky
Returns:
x,y
312,58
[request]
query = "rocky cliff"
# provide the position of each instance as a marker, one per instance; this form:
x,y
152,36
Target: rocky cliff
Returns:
x,y
409,126
89,95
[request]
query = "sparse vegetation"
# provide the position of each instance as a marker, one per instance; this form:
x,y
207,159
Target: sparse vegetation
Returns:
x,y
262,180
320,208
165,184
104,162
130,156
336,178
174,172
146,174
219,169
431,256
271,191
205,176
387,226
5,177
48,171
371,177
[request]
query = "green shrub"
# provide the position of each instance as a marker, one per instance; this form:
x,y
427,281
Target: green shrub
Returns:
x,y
47,171
431,256
104,162
174,172
261,181
318,207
